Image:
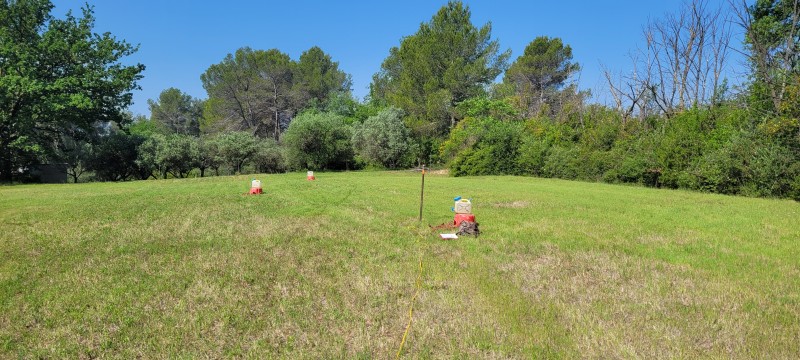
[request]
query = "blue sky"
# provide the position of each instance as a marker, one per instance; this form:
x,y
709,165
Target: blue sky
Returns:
x,y
180,39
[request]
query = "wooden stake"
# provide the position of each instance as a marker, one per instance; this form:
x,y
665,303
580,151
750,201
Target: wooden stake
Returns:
x,y
422,194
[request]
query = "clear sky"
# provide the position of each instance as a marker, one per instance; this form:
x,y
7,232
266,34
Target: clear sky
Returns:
x,y
180,39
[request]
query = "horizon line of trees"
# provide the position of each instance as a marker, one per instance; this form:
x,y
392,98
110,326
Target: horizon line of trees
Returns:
x,y
674,121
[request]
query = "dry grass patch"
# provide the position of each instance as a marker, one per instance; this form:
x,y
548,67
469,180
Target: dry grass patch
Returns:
x,y
621,306
519,204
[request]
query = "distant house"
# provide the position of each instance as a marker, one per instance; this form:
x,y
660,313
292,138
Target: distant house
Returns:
x,y
50,173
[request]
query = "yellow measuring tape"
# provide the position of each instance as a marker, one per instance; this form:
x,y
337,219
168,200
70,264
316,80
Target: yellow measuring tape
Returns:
x,y
418,285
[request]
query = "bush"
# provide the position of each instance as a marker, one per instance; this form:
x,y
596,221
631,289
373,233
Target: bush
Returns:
x,y
208,155
115,157
318,141
749,163
483,147
268,157
771,171
598,163
178,154
147,157
235,148
563,162
383,139
532,155
794,190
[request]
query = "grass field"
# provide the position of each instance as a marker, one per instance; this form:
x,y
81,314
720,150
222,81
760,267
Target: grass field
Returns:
x,y
327,269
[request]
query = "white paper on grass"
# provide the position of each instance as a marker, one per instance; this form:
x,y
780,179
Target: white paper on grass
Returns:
x,y
448,236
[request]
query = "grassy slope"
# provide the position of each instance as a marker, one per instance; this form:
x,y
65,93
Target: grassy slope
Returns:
x,y
326,269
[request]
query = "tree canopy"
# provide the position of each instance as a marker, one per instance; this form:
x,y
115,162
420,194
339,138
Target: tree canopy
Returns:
x,y
261,90
176,112
56,75
537,76
447,61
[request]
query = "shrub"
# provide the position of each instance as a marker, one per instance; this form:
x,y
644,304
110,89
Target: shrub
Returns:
x,y
750,163
532,155
770,171
208,155
563,161
178,154
114,158
383,139
318,141
268,157
235,148
794,190
483,147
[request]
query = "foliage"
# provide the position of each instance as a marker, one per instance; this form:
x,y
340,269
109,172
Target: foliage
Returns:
x,y
383,139
486,107
483,146
208,155
446,62
318,141
76,154
260,91
235,148
176,112
537,77
748,164
46,85
771,38
319,79
269,157
178,154
141,125
115,156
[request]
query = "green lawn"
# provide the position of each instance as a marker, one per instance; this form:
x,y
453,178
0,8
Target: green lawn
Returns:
x,y
326,269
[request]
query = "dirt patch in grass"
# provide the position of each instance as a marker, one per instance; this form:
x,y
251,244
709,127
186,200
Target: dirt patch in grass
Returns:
x,y
511,205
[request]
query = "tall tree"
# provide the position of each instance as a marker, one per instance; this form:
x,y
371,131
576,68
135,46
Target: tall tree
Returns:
x,y
318,78
447,61
680,67
56,74
260,91
238,91
177,112
772,38
540,73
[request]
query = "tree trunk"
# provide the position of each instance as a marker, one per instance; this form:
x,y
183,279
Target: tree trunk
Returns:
x,y
277,119
202,171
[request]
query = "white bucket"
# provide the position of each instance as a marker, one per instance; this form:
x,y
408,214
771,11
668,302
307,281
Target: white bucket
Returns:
x,y
256,184
463,206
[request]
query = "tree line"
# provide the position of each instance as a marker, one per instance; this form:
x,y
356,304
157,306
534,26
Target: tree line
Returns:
x,y
674,121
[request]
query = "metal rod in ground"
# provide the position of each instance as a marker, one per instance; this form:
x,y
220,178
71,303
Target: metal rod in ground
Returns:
x,y
422,194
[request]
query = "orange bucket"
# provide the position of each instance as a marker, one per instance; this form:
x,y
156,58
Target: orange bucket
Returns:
x,y
463,217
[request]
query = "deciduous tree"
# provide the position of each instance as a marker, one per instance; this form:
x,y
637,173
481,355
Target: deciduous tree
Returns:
x,y
56,74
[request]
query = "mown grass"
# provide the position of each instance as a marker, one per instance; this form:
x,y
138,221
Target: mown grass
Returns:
x,y
326,269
